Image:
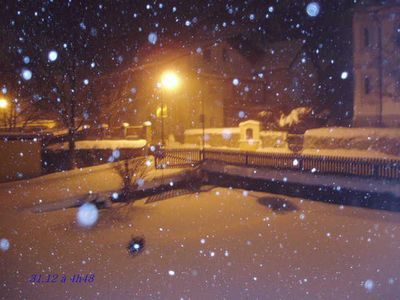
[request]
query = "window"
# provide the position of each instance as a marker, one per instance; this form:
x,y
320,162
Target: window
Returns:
x,y
249,134
367,86
366,37
207,54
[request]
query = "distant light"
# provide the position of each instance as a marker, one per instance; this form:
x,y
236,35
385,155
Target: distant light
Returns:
x,y
26,60
52,55
171,273
87,215
241,114
115,195
313,9
4,244
344,75
271,9
125,124
4,90
3,103
86,81
188,23
235,81
27,74
152,38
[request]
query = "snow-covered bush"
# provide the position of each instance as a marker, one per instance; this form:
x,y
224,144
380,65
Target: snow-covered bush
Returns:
x,y
133,173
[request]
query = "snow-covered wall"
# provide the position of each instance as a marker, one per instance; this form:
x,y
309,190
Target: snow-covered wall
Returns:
x,y
274,139
219,137
103,144
385,140
20,159
229,137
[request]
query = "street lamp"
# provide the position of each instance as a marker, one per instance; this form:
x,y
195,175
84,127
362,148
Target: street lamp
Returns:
x,y
3,103
4,106
169,82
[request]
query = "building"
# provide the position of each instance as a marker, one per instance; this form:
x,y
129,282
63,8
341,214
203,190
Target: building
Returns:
x,y
231,78
376,57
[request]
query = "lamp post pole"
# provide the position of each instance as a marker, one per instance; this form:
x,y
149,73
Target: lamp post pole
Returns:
x,y
203,120
169,81
162,120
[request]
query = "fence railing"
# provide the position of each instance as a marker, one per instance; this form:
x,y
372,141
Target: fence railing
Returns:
x,y
177,158
365,167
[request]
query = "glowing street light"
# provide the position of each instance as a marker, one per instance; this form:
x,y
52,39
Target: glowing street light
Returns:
x,y
169,81
3,103
4,107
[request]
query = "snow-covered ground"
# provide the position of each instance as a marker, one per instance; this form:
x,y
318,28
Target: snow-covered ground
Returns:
x,y
220,243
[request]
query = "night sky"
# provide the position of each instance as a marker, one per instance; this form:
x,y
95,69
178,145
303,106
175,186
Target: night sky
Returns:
x,y
103,37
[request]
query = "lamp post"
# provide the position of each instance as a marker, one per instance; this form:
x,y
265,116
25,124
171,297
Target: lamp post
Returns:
x,y
169,81
203,123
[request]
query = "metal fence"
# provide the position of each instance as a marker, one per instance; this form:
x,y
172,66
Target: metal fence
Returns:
x,y
365,167
177,158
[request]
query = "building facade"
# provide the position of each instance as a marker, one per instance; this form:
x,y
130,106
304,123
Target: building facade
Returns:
x,y
376,63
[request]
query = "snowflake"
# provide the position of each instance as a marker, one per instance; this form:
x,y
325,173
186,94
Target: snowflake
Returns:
x,y
87,215
53,55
